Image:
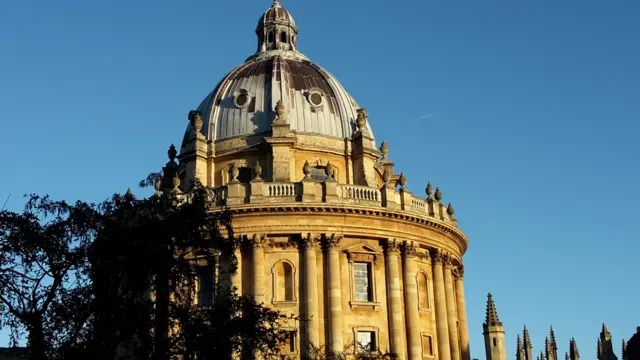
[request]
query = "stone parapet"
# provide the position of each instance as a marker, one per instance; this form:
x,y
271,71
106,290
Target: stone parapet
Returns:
x,y
330,192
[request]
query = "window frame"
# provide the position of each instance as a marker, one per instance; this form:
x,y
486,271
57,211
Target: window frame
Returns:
x,y
274,284
424,335
428,285
371,329
364,255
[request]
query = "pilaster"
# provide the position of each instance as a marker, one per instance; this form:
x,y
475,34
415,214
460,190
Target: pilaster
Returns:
x,y
312,324
258,243
392,252
411,302
442,327
331,245
462,314
451,309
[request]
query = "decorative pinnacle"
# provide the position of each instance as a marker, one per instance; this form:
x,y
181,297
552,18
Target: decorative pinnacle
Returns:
x,y
573,350
492,314
306,169
554,345
384,149
429,191
257,171
172,152
526,339
280,111
402,180
361,120
276,3
450,210
605,332
438,194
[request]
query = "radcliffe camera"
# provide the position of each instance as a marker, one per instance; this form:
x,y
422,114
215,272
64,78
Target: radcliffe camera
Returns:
x,y
408,180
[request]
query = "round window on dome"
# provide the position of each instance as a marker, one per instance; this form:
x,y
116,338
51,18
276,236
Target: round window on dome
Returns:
x,y
315,98
241,98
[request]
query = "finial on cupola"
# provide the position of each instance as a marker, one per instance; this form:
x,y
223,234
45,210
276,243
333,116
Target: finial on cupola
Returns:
x,y
276,3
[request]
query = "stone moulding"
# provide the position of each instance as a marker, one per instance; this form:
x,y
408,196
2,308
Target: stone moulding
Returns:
x,y
397,215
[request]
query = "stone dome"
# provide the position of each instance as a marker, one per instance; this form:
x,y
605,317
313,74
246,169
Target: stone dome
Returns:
x,y
243,102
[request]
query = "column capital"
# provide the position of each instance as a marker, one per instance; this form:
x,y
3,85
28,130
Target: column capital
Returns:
x,y
309,240
458,271
409,249
258,241
330,242
392,246
447,260
437,256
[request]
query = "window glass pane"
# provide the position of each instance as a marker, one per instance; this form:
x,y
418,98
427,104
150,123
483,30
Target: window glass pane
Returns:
x,y
366,341
362,280
205,285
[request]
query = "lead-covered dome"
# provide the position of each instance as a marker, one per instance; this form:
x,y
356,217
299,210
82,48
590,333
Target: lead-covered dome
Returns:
x,y
243,103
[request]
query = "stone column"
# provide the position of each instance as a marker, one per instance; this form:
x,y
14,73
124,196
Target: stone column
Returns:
x,y
312,324
335,293
442,328
395,298
411,302
462,314
452,319
258,268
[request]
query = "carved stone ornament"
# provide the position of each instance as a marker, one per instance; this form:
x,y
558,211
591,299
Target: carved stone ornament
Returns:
x,y
384,149
259,241
436,256
429,191
409,249
447,259
176,181
386,176
460,271
196,121
257,171
402,181
392,246
438,194
329,170
309,240
280,111
361,120
158,185
330,242
450,210
234,172
129,195
424,255
172,152
274,244
306,169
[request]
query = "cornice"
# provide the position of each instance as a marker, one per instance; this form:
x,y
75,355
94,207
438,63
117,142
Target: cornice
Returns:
x,y
411,217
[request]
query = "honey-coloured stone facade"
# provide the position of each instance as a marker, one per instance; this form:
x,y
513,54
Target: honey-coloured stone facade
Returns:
x,y
332,234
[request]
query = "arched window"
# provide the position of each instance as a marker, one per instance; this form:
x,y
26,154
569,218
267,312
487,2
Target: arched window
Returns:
x,y
283,282
270,38
283,37
423,291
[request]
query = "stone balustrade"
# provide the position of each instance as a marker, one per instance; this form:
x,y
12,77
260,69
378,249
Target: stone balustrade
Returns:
x,y
330,192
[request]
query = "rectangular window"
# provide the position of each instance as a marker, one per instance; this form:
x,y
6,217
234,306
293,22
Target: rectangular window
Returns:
x,y
366,341
427,346
289,346
206,283
362,279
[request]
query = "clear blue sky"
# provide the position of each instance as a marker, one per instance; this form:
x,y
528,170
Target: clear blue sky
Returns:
x,y
534,136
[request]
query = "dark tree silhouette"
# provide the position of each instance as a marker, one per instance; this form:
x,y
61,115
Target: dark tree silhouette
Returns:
x,y
44,289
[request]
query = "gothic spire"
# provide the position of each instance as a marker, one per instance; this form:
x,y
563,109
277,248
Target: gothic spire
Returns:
x,y
605,334
492,313
552,343
527,347
519,351
573,350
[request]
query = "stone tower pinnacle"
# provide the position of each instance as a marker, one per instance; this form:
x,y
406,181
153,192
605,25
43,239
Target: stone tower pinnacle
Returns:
x,y
519,349
526,345
573,350
605,347
493,333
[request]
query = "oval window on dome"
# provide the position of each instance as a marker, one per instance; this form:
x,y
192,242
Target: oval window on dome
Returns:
x,y
241,98
315,98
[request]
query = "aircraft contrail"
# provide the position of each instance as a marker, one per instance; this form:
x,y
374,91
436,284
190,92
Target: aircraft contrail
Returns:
x,y
423,117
